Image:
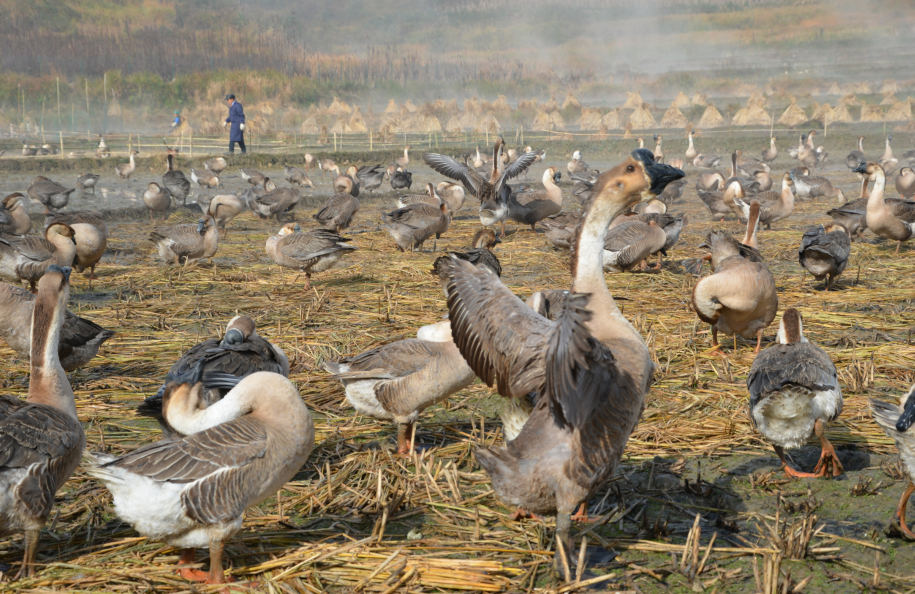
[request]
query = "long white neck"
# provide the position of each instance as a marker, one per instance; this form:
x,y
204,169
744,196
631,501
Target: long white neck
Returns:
x,y
690,141
48,382
875,200
552,190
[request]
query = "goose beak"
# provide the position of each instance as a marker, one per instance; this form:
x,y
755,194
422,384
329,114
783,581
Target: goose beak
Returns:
x,y
63,270
557,176
908,414
659,173
200,226
233,337
861,168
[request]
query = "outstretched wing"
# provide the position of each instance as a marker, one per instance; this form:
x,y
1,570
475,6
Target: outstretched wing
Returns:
x,y
516,169
457,171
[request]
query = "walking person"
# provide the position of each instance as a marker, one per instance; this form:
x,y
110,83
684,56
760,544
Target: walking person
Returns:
x,y
237,119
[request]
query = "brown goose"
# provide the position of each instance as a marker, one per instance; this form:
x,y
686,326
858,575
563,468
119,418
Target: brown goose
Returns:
x,y
188,242
85,181
314,251
14,218
328,165
274,202
412,225
806,154
26,257
253,176
770,154
80,339
217,165
708,181
405,160
794,392
719,202
400,380
739,297
691,152
896,422
240,353
891,220
591,368
706,161
560,228
192,492
628,244
773,207
905,183
91,233
41,439
348,183
297,176
451,194
157,199
479,254
204,179
49,194
223,208
337,213
533,206
888,161
430,197
125,170
824,251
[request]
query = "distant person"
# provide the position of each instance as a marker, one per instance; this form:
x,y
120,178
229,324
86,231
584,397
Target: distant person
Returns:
x,y
177,121
237,119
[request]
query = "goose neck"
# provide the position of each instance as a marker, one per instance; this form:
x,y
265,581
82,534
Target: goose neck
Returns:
x,y
48,383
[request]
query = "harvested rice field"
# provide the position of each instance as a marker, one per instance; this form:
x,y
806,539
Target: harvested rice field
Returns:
x,y
699,503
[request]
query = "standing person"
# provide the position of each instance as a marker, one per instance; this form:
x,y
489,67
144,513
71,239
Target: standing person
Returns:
x,y
177,121
237,119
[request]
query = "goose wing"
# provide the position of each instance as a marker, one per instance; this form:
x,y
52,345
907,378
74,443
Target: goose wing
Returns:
x,y
516,169
306,246
802,364
457,171
500,337
836,245
32,247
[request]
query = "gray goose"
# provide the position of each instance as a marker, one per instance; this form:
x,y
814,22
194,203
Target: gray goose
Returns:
x,y
774,206
253,176
14,218
628,244
430,197
26,257
192,492
315,251
157,199
896,422
719,202
888,161
401,180
204,179
479,254
274,202
770,154
84,181
810,186
240,353
91,234
41,439
370,177
560,228
532,206
891,220
412,225
590,369
905,183
451,194
188,242
706,161
217,165
856,158
223,208
174,180
824,251
327,165
400,380
80,339
297,176
794,392
49,194
337,213
673,192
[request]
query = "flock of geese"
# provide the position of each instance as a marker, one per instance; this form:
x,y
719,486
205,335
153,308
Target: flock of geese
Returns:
x,y
574,372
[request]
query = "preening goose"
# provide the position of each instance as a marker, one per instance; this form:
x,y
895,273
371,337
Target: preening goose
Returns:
x,y
14,218
26,257
891,220
370,177
348,183
412,225
41,439
192,492
174,180
253,176
739,297
533,206
80,339
188,242
451,194
84,181
888,161
204,179
49,194
91,234
856,157
400,380
315,251
157,199
217,165
223,208
764,180
794,392
709,181
770,154
240,353
896,422
591,368
297,176
824,251
337,213
905,183
274,202
125,170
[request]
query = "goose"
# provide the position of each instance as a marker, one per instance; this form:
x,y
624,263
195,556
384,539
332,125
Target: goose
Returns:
x,y
309,161
770,154
42,437
253,176
658,151
538,155
654,206
14,218
709,181
591,369
480,159
412,225
641,142
125,170
824,251
401,180
748,164
794,392
533,206
430,197
85,181
297,176
691,152
706,161
888,161
101,150
891,220
328,166
273,203
560,228
187,242
905,183
217,165
479,254
192,492
451,194
583,186
673,192
399,380
577,165
853,215
822,156
370,177
315,251
405,160
28,151
204,179
764,180
672,225
720,202
792,152
748,183
239,353
174,180
392,168
749,238
773,207
348,183
628,244
91,233
809,186
895,422
26,257
157,199
49,194
806,154
856,158
337,213
739,297
223,208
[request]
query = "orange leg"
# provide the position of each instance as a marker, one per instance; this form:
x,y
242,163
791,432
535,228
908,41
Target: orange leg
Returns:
x,y
307,281
759,334
899,517
716,348
787,467
523,514
582,514
188,557
404,434
828,458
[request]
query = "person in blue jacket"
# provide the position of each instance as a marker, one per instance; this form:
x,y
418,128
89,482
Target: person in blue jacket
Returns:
x,y
237,119
177,121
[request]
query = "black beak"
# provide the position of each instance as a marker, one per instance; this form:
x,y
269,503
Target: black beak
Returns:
x,y
861,168
659,173
200,226
557,176
233,337
497,241
908,414
64,270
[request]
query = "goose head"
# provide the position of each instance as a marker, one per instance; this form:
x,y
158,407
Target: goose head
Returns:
x,y
240,329
289,229
351,171
576,156
637,179
791,327
835,226
485,238
60,230
183,394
